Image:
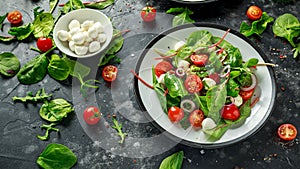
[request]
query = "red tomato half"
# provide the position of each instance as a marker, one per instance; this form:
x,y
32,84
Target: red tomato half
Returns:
x,y
44,44
175,114
162,67
199,59
148,13
109,73
230,112
193,84
254,13
91,115
246,94
287,132
14,17
196,118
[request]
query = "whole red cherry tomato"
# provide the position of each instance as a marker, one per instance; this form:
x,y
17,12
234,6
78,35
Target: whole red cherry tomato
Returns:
x,y
175,114
254,13
196,118
287,132
230,112
246,94
91,115
44,44
109,73
162,67
199,59
193,83
148,13
14,17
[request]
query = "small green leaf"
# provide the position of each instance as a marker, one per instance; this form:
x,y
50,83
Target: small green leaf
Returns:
x,y
9,64
174,161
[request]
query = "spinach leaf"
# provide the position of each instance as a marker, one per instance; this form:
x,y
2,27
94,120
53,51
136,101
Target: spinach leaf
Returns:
x,y
198,39
233,88
33,71
2,19
251,62
77,69
99,4
202,102
257,27
72,5
184,52
182,17
9,64
160,92
217,132
234,58
173,161
175,86
56,156
55,110
43,25
58,68
21,32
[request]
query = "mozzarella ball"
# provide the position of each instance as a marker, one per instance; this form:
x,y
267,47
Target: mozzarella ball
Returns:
x,y
87,24
63,35
78,38
99,27
238,100
208,124
209,82
73,31
94,46
178,45
72,45
101,38
74,24
92,32
81,50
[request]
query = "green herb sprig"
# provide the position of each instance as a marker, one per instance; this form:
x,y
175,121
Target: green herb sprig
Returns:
x,y
118,127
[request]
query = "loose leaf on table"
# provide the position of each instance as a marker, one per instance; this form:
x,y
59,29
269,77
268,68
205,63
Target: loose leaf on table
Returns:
x,y
43,25
7,38
58,69
40,95
9,64
77,69
52,4
21,32
72,5
173,161
2,19
182,17
56,156
48,129
99,4
55,110
118,127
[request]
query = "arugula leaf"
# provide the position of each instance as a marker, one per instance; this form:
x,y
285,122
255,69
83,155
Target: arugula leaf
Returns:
x,y
118,127
2,19
173,161
52,4
40,95
99,4
21,32
7,38
182,17
48,129
9,64
43,25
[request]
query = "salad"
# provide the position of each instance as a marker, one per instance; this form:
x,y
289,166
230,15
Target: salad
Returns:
x,y
204,83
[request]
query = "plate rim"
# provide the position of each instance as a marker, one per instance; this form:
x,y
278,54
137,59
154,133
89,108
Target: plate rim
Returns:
x,y
224,28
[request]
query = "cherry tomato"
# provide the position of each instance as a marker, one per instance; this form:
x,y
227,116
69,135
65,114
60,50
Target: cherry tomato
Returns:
x,y
162,67
196,118
91,115
148,13
230,112
175,114
14,17
109,73
193,84
44,44
246,94
199,59
287,132
254,13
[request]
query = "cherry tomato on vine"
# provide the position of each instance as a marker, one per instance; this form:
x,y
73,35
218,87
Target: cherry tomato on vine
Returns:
x,y
254,13
109,73
196,118
14,17
287,132
91,115
230,112
162,67
148,13
175,114
246,94
193,83
44,44
199,59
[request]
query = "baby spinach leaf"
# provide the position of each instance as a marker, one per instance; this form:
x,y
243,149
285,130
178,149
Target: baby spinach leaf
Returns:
x,y
251,62
175,86
43,25
9,64
199,39
21,32
58,68
72,5
173,161
77,69
2,19
182,17
233,88
234,58
99,4
55,110
56,156
217,132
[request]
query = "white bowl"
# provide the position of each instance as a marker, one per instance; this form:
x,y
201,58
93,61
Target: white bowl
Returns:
x,y
82,15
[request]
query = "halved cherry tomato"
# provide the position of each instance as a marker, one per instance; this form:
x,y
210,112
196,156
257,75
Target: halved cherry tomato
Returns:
x,y
109,73
193,84
91,115
196,118
287,132
254,13
44,44
148,13
14,17
230,112
175,114
162,67
199,59
246,94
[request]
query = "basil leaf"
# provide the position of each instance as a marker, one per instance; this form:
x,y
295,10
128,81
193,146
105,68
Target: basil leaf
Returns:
x,y
9,64
43,25
33,71
58,68
174,161
2,19
21,32
100,4
56,156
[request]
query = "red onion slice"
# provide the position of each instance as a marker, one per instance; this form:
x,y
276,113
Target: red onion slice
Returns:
x,y
225,72
191,105
180,72
253,85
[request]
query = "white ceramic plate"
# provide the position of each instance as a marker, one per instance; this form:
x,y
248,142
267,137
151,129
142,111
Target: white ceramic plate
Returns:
x,y
150,103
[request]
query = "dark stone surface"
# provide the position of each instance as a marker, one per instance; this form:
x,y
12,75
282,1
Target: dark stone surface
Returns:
x,y
19,123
